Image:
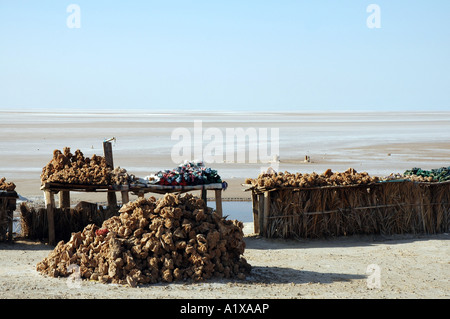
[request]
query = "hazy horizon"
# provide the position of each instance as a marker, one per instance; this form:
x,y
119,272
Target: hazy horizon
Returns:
x,y
174,111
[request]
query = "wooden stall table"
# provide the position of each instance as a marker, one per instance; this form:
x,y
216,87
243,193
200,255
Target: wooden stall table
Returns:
x,y
8,202
50,189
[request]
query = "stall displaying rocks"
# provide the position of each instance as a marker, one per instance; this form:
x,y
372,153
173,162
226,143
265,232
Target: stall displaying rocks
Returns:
x,y
289,205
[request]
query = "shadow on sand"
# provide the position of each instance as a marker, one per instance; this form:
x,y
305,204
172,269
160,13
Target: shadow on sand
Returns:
x,y
261,243
25,244
282,275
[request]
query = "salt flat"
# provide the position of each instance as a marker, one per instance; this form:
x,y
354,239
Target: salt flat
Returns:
x,y
378,142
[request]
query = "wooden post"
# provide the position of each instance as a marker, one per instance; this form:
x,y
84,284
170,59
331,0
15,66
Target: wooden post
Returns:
x,y
266,212
112,199
255,213
218,193
64,199
10,214
50,205
261,214
107,150
125,197
7,208
205,200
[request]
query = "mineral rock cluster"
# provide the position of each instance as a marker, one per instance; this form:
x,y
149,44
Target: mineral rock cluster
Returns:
x,y
7,186
328,178
171,239
69,168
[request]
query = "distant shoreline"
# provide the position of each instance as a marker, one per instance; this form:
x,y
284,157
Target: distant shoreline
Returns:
x,y
104,111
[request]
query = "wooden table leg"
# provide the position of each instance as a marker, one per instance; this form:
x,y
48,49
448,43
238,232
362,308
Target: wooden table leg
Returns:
x,y
255,213
125,197
261,214
112,199
10,215
50,205
10,208
64,199
266,212
219,202
205,199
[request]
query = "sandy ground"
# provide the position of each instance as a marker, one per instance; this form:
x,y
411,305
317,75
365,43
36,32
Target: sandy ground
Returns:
x,y
409,267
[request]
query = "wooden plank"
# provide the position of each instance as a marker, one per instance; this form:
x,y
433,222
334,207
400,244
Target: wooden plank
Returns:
x,y
266,211
64,199
255,213
168,188
218,194
50,205
261,214
56,187
154,188
5,194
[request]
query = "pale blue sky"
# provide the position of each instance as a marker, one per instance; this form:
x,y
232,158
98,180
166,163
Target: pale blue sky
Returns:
x,y
225,55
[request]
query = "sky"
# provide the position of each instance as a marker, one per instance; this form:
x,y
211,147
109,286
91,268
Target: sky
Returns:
x,y
250,55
